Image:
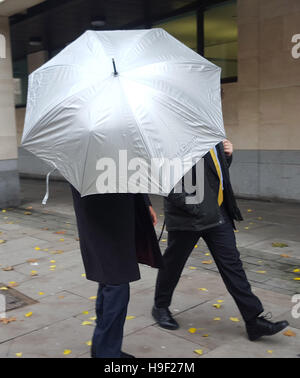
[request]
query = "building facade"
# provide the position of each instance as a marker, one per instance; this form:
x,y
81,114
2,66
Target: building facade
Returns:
x,y
255,42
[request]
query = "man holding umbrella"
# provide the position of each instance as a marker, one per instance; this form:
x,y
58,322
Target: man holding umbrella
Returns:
x,y
213,220
116,232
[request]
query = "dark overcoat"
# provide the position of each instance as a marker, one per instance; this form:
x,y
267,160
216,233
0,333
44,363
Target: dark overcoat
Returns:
x,y
116,233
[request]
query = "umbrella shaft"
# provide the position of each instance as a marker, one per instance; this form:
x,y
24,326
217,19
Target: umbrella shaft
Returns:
x,y
115,69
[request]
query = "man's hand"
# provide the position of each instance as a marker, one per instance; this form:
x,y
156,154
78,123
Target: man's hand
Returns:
x,y
228,147
153,215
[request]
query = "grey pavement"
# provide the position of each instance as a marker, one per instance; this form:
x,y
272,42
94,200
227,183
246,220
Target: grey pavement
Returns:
x,y
40,259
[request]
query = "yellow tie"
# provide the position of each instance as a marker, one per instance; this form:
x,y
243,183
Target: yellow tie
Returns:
x,y
215,160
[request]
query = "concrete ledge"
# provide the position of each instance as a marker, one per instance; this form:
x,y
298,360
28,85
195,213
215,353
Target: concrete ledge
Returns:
x,y
9,183
266,174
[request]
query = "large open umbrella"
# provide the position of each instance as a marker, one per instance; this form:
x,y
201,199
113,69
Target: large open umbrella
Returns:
x,y
117,108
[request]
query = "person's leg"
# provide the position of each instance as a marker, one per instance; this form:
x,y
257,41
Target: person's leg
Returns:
x,y
111,310
180,246
222,245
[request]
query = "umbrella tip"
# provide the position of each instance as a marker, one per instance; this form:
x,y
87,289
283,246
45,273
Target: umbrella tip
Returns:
x,y
115,69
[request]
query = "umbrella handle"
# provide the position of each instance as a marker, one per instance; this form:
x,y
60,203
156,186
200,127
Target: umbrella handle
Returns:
x,y
115,68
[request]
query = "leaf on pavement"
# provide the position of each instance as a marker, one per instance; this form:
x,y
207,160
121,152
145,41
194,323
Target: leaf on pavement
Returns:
x,y
8,320
279,245
234,319
289,333
198,351
8,269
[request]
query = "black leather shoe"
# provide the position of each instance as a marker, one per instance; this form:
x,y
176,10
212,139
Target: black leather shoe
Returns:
x,y
164,318
262,326
126,355
123,354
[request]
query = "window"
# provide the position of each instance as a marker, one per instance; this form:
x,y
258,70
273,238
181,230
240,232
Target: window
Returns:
x,y
21,81
184,28
221,38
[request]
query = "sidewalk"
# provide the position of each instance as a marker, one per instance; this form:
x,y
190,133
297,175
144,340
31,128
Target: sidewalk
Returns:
x,y
40,259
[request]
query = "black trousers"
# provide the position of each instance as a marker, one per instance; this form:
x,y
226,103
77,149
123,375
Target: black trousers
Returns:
x,y
222,245
111,309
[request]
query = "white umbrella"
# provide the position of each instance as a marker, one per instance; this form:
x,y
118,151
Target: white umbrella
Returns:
x,y
115,109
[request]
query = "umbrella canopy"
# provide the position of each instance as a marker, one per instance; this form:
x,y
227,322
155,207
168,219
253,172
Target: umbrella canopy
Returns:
x,y
115,109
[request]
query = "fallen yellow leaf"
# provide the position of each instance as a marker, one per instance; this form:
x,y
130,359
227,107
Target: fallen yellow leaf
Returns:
x,y
67,351
89,343
270,351
192,330
86,322
289,333
2,241
37,248
220,301
13,284
129,317
208,262
198,351
206,335
297,279
85,312
33,273
234,319
296,270
93,318
3,288
28,315
192,268
202,289
19,354
279,245
261,271
217,319
216,305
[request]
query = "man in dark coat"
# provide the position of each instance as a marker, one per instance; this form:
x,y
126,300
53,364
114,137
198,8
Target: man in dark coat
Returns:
x,y
213,220
116,233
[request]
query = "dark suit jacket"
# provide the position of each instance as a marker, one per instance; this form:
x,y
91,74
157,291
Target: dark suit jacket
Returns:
x,y
181,216
116,233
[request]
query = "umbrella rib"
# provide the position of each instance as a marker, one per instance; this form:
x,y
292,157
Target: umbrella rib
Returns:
x,y
168,95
